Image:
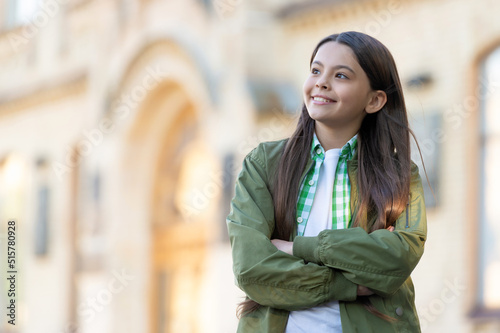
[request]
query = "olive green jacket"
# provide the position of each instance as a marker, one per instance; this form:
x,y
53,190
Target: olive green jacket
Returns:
x,y
323,268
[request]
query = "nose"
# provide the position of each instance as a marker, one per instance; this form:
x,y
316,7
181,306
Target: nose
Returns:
x,y
322,83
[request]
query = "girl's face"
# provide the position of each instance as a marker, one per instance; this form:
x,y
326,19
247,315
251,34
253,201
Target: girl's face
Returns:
x,y
337,92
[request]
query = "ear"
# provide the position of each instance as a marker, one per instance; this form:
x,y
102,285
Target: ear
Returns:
x,y
377,101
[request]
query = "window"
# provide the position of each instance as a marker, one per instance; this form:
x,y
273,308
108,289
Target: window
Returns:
x,y
20,12
42,208
428,131
488,296
41,226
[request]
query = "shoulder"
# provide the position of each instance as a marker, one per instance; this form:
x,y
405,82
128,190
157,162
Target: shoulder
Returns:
x,y
264,159
416,186
415,172
268,152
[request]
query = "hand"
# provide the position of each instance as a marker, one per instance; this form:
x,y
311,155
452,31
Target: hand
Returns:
x,y
391,228
284,246
363,291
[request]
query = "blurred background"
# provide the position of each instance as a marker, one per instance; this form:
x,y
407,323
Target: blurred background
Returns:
x,y
123,124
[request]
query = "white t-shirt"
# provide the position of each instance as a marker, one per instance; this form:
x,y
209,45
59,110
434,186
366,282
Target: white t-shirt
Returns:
x,y
325,318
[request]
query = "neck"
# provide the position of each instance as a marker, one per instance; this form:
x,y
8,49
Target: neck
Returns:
x,y
333,138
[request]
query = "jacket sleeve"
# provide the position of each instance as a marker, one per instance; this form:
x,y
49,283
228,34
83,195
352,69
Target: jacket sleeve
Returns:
x,y
269,276
381,260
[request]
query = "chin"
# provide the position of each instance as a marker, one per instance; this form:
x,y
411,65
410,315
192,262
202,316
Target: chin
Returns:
x,y
317,115
313,115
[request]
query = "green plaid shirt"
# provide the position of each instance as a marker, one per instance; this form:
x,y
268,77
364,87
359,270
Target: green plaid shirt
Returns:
x,y
341,212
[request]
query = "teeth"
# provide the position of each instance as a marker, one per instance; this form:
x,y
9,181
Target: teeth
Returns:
x,y
321,99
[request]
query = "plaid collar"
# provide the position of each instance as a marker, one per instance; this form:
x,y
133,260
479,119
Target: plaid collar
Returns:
x,y
347,151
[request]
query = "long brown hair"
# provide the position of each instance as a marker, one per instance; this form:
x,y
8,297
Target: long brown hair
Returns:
x,y
383,154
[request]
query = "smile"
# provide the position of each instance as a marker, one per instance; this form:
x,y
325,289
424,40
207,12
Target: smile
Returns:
x,y
322,100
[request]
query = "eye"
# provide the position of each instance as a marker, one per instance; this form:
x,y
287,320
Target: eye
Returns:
x,y
314,71
341,76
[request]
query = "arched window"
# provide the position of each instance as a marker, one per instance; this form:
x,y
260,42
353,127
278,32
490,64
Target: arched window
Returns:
x,y
488,296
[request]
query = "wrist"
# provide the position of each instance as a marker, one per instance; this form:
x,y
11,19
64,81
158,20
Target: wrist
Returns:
x,y
306,248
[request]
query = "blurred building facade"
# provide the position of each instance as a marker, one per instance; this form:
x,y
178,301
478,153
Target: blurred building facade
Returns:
x,y
123,124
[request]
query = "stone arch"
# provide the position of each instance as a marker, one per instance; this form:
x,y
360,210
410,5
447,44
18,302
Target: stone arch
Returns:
x,y
170,57
161,99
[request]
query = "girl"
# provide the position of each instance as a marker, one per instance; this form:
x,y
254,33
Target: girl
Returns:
x,y
326,226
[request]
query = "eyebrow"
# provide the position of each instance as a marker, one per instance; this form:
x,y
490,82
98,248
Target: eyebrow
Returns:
x,y
335,67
